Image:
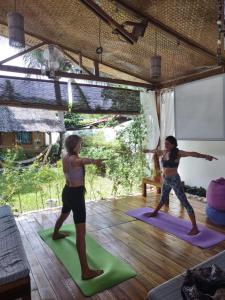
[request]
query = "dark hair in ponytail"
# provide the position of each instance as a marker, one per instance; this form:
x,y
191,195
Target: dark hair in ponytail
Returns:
x,y
174,152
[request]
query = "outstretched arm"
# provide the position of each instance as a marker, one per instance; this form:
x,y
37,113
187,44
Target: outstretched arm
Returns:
x,y
90,161
156,151
196,154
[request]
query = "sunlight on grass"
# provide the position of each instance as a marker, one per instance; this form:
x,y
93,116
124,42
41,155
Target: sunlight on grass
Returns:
x,y
98,188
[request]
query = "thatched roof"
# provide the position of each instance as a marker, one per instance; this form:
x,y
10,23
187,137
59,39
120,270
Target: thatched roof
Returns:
x,y
186,33
14,119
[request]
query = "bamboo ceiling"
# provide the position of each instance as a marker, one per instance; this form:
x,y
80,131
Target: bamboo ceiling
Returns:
x,y
73,25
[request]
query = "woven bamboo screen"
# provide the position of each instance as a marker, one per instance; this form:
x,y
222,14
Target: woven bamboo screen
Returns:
x,y
24,92
72,24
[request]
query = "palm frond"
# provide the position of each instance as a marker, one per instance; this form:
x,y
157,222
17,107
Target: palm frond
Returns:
x,y
35,59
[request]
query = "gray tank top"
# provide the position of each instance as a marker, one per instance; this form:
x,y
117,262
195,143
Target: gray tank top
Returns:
x,y
76,174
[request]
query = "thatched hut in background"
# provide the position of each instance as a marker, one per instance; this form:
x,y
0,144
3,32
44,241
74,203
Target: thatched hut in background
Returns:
x,y
32,129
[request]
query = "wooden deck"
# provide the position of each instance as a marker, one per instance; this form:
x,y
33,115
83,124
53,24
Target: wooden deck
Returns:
x,y
155,255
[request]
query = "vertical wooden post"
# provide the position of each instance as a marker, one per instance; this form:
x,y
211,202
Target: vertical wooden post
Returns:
x,y
61,138
50,138
156,158
158,108
80,61
14,139
96,68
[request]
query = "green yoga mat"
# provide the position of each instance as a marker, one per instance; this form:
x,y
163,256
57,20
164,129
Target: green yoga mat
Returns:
x,y
115,270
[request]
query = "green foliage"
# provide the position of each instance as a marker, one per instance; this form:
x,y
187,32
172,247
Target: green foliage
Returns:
x,y
131,160
54,154
125,164
7,184
16,181
29,188
95,142
110,123
10,176
15,154
79,120
72,119
35,59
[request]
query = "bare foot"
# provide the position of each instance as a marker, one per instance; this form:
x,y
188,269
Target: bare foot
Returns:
x,y
151,215
193,231
91,274
59,235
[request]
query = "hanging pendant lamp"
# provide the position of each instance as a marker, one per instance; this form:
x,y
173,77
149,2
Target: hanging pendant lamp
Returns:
x,y
16,29
155,62
155,67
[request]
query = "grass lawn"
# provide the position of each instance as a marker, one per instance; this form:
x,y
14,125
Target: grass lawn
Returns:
x,y
97,188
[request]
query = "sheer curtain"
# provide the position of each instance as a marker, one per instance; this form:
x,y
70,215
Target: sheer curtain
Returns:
x,y
148,101
167,126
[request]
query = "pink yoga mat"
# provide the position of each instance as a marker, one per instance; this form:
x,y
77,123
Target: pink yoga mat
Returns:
x,y
179,227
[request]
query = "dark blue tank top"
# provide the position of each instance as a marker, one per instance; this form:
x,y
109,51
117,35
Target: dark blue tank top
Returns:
x,y
170,163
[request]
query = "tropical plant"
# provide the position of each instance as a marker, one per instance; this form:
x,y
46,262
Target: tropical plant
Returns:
x,y
73,120
125,164
131,160
35,59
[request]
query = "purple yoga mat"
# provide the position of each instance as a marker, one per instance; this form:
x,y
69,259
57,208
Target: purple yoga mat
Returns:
x,y
179,227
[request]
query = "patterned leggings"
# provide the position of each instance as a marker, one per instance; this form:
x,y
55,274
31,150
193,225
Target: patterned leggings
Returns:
x,y
174,182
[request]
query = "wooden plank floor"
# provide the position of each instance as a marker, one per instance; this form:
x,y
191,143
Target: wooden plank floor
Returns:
x,y
155,255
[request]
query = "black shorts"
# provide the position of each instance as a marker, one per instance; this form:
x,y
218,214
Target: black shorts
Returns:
x,y
73,199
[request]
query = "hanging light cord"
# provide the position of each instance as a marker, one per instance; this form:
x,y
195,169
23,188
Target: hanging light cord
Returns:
x,y
156,41
99,39
156,32
15,5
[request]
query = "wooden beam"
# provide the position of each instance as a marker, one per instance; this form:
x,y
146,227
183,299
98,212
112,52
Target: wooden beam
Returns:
x,y
76,62
32,71
32,105
191,77
22,53
198,47
96,68
60,108
109,20
80,60
49,41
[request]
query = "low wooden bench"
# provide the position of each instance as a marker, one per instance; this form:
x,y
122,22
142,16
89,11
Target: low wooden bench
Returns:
x,y
147,180
14,267
156,183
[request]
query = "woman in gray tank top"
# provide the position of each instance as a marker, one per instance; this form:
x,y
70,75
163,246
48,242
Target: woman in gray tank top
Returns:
x,y
73,200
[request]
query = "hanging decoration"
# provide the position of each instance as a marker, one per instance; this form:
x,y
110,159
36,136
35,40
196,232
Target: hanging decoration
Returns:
x,y
53,57
155,67
221,30
156,62
16,29
99,49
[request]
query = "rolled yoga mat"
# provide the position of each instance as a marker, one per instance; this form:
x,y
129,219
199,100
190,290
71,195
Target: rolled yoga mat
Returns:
x,y
179,227
115,270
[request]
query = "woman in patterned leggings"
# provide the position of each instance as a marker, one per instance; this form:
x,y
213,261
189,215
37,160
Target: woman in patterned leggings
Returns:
x,y
171,179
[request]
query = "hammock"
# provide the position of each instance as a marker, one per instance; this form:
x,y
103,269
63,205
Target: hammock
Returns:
x,y
43,155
